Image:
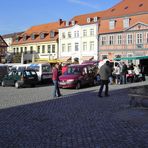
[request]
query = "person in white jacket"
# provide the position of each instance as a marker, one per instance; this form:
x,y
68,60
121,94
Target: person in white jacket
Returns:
x,y
117,72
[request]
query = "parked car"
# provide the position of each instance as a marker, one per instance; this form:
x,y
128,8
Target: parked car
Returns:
x,y
20,78
77,76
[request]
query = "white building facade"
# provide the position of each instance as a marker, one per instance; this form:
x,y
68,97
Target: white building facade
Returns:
x,y
79,41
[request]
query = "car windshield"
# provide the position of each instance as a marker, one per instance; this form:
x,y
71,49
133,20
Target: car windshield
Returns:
x,y
73,70
46,68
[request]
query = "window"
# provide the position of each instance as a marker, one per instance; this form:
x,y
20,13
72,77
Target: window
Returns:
x,y
33,36
76,46
103,40
49,48
88,20
43,48
17,39
52,34
69,34
119,39
111,40
73,22
25,50
24,37
112,24
17,50
84,46
76,34
84,33
104,57
129,39
21,49
139,38
92,45
53,48
38,49
31,49
14,51
147,37
126,22
63,47
63,35
95,19
69,47
42,36
91,32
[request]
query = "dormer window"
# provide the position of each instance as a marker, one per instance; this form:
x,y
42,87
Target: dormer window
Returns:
x,y
33,36
140,5
67,23
112,24
73,22
88,20
126,22
17,39
42,36
112,10
126,7
52,34
95,19
24,37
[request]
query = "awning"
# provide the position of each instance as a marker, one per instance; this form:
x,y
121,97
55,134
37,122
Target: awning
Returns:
x,y
132,58
87,58
64,59
48,60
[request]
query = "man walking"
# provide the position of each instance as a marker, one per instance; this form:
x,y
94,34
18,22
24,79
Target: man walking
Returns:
x,y
55,78
105,73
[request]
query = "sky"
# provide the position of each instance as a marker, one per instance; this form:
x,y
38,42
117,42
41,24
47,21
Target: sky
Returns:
x,y
19,15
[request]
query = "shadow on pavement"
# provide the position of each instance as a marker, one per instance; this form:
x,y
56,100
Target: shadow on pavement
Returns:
x,y
80,120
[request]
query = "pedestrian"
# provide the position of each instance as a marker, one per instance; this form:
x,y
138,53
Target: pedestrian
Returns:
x,y
117,72
123,73
55,78
105,73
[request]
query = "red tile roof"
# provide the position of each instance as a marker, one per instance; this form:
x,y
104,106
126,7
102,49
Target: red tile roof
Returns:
x,y
37,30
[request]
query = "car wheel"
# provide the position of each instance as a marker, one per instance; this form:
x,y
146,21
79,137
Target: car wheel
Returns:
x,y
17,85
3,83
78,86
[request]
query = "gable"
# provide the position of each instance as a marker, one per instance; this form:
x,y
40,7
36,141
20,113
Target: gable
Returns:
x,y
138,26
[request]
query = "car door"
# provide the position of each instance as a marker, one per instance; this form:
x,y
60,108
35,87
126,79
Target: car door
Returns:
x,y
85,76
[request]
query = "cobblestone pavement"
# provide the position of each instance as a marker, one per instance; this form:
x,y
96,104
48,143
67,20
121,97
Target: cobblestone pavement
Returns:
x,y
30,118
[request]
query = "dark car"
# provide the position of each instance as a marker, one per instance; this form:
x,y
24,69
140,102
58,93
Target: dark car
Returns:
x,y
20,78
77,76
3,71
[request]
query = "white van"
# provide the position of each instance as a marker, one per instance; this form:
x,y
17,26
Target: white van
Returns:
x,y
43,70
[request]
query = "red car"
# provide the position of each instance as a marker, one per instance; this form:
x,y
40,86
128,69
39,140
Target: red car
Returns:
x,y
77,76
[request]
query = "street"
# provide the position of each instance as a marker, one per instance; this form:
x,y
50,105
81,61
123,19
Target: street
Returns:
x,y
30,117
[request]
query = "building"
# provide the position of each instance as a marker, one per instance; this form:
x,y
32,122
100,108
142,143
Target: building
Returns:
x,y
78,39
123,30
8,38
38,43
3,49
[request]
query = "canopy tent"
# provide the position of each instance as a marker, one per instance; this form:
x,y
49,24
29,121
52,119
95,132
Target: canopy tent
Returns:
x,y
131,58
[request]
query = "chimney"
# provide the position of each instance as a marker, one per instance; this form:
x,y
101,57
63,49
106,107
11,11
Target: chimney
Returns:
x,y
60,21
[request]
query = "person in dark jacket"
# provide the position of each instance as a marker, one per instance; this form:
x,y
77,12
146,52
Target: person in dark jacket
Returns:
x,y
105,73
55,79
123,73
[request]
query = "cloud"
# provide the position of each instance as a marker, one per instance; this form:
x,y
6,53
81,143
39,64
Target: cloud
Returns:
x,y
83,3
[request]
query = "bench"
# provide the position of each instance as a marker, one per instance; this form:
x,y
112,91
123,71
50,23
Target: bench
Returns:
x,y
138,96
